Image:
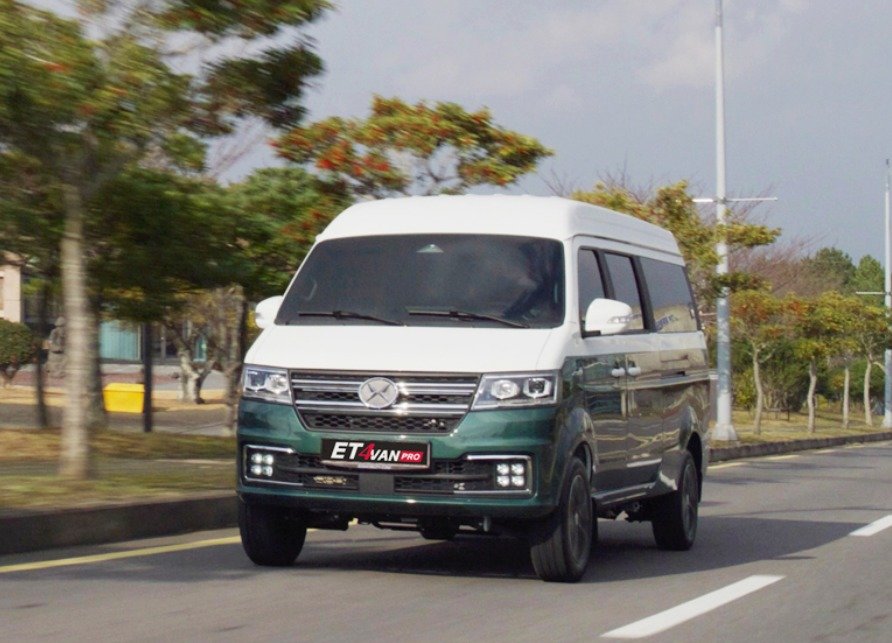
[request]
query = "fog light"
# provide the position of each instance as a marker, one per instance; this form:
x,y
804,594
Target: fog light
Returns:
x,y
503,481
502,469
267,459
518,481
256,470
268,471
518,469
257,458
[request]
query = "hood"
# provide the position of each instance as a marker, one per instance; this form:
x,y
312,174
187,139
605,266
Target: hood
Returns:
x,y
392,348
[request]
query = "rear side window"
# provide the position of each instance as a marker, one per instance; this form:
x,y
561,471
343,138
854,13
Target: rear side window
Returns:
x,y
670,296
625,286
591,285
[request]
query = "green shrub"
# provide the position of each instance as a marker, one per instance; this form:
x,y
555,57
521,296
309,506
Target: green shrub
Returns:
x,y
17,347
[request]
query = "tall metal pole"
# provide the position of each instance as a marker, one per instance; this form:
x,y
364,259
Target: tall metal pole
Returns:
x,y
724,428
887,290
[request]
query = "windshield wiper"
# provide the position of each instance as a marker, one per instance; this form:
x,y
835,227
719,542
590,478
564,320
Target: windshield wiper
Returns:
x,y
466,315
347,314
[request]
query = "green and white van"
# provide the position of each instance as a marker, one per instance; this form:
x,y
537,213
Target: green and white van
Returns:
x,y
507,365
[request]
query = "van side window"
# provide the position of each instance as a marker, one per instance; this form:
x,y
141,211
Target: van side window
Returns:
x,y
625,286
591,285
670,296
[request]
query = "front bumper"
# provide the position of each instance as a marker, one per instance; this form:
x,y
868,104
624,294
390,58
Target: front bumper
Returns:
x,y
304,483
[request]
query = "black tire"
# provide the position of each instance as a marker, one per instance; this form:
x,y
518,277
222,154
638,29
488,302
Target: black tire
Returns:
x,y
674,519
270,537
560,544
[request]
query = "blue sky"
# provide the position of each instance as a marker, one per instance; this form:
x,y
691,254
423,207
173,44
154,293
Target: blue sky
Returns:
x,y
628,85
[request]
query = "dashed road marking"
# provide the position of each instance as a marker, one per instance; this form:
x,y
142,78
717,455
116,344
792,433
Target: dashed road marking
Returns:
x,y
692,609
777,458
118,555
874,528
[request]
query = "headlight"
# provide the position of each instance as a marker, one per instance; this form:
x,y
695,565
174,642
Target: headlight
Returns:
x,y
268,384
516,389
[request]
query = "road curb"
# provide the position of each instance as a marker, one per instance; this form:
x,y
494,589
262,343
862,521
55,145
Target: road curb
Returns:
x,y
721,454
33,530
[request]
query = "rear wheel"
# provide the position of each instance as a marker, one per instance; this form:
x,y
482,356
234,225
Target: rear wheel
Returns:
x,y
270,536
561,544
674,519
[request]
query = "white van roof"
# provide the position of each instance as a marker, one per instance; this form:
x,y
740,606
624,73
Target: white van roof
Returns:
x,y
528,216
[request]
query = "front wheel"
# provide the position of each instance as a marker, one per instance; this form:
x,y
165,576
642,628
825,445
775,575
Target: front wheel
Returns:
x,y
270,536
561,544
674,519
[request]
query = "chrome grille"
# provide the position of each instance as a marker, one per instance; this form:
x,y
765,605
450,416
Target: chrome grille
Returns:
x,y
426,404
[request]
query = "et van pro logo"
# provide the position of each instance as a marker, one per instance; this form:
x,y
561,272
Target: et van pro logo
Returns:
x,y
365,454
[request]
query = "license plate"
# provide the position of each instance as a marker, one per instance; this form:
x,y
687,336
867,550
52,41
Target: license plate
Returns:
x,y
372,454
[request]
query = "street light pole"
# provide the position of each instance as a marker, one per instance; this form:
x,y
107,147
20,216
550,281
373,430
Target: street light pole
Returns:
x,y
724,428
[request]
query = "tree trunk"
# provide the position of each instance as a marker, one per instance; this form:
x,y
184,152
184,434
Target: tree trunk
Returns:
x,y
97,418
760,394
845,397
868,418
147,377
233,373
74,458
812,386
43,414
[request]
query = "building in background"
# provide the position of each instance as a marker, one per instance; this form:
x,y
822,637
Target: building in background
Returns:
x,y
11,293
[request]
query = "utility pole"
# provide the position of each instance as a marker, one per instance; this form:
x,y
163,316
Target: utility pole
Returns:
x,y
724,427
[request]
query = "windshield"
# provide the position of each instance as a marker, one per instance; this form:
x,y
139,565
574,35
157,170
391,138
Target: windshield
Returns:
x,y
430,280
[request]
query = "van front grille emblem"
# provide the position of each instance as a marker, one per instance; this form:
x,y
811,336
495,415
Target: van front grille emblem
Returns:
x,y
378,393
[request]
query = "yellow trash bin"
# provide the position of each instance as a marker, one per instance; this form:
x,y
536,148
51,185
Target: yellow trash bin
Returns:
x,y
123,398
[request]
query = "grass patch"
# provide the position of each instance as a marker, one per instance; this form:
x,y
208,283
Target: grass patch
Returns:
x,y
24,446
117,481
129,466
828,424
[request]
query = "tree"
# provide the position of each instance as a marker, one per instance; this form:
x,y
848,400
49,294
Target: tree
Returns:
x,y
672,208
17,347
31,220
870,331
87,109
84,111
868,277
832,269
403,149
819,323
758,320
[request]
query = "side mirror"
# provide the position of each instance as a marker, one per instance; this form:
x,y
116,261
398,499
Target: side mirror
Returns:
x,y
266,311
606,317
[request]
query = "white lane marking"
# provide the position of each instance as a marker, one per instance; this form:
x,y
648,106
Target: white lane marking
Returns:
x,y
686,611
874,528
726,465
776,458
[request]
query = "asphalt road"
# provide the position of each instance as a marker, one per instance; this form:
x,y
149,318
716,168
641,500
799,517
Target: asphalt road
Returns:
x,y
775,560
